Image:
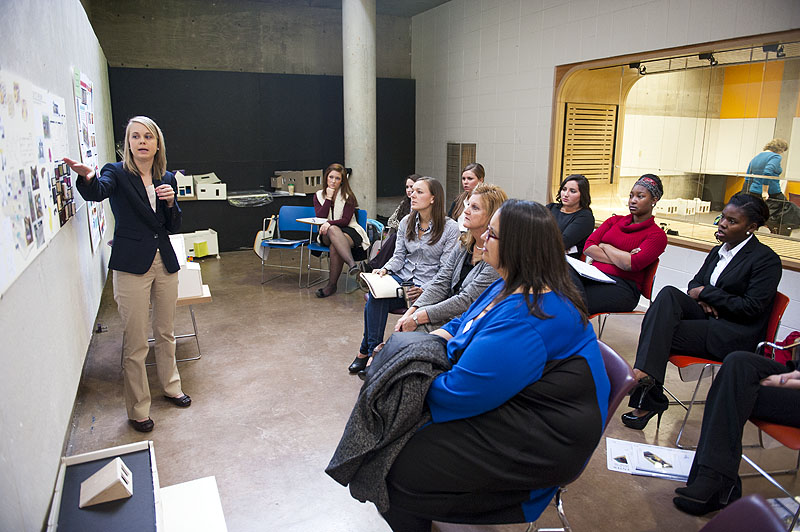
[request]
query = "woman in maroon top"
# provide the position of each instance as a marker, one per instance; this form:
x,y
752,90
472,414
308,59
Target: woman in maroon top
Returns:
x,y
348,241
622,248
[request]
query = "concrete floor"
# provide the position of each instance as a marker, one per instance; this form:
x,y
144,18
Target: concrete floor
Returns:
x,y
271,395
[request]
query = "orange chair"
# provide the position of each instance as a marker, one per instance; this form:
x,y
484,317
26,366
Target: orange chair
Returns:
x,y
686,362
647,292
787,436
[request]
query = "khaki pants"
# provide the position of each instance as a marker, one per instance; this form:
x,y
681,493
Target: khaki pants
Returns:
x,y
134,295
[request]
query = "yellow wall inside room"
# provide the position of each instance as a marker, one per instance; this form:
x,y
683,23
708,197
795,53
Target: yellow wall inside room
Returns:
x,y
750,91
793,187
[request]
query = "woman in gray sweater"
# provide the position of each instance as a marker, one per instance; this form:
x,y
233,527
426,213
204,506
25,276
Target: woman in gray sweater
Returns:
x,y
465,275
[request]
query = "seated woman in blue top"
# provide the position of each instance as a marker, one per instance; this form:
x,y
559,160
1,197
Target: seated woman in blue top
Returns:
x,y
523,406
425,239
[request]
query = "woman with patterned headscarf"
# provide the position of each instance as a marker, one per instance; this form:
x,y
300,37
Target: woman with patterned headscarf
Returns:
x,y
623,247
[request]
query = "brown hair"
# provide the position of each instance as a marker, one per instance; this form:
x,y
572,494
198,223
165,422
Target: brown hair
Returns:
x,y
160,160
437,212
492,197
349,197
405,205
458,206
531,253
583,187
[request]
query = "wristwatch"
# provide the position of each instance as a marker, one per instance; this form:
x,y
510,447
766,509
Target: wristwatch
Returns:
x,y
414,317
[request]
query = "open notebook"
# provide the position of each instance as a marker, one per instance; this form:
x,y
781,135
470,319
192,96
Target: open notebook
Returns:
x,y
382,287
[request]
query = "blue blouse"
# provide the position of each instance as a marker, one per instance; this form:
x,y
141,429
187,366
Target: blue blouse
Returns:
x,y
506,350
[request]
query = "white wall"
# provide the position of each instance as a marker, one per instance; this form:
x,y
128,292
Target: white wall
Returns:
x,y
675,144
484,68
46,316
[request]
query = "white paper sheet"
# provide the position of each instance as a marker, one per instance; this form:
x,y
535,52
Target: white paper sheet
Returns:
x,y
648,460
589,271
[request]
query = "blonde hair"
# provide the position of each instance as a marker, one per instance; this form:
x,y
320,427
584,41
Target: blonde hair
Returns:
x,y
777,146
159,161
492,197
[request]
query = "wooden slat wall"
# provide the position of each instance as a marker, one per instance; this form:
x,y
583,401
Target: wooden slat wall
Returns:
x,y
589,133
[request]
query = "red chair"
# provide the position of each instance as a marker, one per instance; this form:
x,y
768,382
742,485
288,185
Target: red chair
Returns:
x,y
685,363
647,292
787,436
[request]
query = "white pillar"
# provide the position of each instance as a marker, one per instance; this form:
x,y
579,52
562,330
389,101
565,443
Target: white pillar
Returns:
x,y
358,71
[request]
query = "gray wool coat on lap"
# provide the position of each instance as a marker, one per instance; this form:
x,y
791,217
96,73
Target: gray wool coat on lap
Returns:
x,y
390,408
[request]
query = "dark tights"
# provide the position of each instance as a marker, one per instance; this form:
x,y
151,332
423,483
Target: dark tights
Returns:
x,y
340,245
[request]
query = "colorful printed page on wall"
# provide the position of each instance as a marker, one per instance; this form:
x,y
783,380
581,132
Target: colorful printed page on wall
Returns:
x,y
36,191
87,140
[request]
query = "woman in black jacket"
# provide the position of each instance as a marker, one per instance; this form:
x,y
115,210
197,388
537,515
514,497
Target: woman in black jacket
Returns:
x,y
726,308
144,264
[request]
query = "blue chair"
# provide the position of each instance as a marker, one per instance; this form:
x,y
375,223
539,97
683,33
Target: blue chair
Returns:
x,y
363,221
287,221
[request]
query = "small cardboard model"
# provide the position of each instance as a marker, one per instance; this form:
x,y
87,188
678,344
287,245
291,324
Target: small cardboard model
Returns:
x,y
114,481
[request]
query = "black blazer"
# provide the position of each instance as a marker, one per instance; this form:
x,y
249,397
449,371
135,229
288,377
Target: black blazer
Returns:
x,y
743,297
139,231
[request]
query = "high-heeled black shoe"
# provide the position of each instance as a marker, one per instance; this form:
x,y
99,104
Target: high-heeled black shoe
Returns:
x,y
693,507
633,421
359,364
706,494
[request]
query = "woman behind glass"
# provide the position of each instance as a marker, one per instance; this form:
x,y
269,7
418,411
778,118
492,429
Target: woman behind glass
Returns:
x,y
623,247
524,404
767,163
465,274
425,239
142,196
348,241
472,176
572,213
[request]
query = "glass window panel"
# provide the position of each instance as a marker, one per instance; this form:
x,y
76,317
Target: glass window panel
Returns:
x,y
697,121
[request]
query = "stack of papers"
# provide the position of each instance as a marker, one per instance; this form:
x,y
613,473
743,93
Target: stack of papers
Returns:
x,y
589,271
648,460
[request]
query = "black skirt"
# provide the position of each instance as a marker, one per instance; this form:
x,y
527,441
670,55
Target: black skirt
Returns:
x,y
358,252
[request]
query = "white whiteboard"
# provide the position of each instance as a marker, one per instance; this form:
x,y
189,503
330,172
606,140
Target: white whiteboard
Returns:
x,y
33,139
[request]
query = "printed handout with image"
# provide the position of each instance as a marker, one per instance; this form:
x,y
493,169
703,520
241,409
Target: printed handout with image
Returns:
x,y
648,460
33,139
87,139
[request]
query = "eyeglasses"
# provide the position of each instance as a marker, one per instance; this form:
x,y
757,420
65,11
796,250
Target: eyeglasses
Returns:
x,y
491,234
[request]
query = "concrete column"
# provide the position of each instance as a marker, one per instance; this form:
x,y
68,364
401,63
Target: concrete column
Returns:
x,y
358,71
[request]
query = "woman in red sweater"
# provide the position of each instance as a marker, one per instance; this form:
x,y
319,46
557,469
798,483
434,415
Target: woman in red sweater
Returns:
x,y
622,248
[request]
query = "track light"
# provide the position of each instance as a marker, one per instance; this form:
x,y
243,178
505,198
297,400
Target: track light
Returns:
x,y
709,57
